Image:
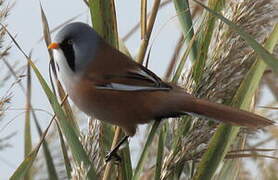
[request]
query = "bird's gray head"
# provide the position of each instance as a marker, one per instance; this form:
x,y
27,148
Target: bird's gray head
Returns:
x,y
77,43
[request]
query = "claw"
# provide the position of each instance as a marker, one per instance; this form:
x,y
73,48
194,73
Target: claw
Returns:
x,y
112,155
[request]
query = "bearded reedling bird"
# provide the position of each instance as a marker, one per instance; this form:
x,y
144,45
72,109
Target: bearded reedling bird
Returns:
x,y
107,84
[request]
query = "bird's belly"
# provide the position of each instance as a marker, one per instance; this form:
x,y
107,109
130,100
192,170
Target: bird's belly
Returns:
x,y
115,107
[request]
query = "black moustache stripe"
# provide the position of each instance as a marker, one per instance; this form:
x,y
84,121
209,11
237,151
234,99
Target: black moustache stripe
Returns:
x,y
67,48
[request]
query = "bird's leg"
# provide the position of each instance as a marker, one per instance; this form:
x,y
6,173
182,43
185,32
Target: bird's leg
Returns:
x,y
113,152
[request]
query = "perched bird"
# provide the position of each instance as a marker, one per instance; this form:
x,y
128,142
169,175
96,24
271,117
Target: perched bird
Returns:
x,y
107,84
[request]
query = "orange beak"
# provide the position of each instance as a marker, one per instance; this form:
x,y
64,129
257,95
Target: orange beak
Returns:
x,y
53,46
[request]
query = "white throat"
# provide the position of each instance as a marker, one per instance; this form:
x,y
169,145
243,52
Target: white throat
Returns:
x,y
65,73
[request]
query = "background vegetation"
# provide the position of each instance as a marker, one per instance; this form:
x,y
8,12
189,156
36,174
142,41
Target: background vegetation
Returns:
x,y
216,58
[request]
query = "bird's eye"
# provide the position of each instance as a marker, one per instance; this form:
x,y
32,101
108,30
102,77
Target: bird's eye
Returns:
x,y
69,41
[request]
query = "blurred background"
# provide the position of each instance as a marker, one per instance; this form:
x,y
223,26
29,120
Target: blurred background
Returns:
x,y
25,24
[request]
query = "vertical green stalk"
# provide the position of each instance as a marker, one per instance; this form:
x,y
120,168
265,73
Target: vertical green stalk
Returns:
x,y
27,128
185,19
126,164
160,152
205,38
104,20
183,60
143,155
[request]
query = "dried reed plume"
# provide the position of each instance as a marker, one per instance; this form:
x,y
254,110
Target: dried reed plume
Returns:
x,y
92,143
4,12
79,172
4,52
228,61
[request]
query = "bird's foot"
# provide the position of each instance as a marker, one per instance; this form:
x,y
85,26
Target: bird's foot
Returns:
x,y
112,155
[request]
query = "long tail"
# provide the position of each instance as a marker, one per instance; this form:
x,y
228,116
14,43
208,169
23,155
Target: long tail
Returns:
x,y
227,114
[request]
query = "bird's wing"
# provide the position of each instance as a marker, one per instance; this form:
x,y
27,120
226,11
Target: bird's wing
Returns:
x,y
137,78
